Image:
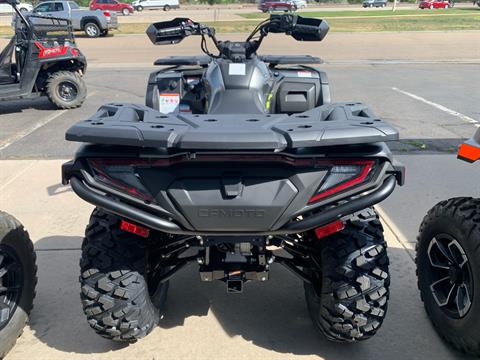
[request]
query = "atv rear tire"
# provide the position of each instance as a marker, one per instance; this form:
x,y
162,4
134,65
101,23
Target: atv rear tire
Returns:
x,y
455,223
115,294
347,299
18,277
66,89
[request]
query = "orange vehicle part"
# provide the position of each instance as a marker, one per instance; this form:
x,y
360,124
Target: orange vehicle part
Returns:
x,y
469,152
470,149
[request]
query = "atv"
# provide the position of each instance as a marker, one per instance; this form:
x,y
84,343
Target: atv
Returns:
x,y
448,264
17,280
42,59
245,165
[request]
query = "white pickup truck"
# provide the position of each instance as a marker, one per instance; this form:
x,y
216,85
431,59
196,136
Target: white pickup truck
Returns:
x,y
8,9
93,22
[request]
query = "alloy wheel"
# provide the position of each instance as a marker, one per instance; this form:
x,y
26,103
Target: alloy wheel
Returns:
x,y
452,279
91,31
11,283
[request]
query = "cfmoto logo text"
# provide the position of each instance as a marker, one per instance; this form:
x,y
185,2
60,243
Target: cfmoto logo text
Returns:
x,y
231,213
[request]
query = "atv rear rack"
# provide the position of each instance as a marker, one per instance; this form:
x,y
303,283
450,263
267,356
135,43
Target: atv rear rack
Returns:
x,y
140,126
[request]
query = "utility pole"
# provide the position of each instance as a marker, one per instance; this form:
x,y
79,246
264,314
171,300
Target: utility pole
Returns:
x,y
394,7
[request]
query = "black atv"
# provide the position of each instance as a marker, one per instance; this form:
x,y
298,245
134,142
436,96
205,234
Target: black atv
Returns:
x,y
448,264
42,59
17,280
245,166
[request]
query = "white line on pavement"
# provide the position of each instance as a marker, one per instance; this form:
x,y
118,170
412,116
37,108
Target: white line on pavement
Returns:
x,y
17,175
461,116
401,238
18,136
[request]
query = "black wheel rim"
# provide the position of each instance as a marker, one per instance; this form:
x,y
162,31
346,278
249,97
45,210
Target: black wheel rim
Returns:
x,y
451,281
11,283
67,91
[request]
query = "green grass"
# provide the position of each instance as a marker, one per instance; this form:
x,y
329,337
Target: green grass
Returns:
x,y
350,25
470,21
373,13
433,23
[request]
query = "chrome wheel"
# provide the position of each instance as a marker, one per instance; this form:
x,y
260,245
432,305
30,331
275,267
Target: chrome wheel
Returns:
x,y
11,283
91,31
452,279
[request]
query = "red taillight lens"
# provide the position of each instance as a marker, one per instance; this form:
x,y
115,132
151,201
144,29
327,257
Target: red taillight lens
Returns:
x,y
106,13
341,176
329,229
120,175
134,229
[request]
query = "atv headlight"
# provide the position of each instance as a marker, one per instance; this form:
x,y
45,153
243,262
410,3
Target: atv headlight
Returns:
x,y
343,175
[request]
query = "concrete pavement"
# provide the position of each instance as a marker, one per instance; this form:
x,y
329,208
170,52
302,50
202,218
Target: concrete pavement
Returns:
x,y
337,48
268,321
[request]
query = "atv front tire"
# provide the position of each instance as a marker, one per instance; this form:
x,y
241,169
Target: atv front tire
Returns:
x,y
347,299
66,89
448,269
116,297
18,277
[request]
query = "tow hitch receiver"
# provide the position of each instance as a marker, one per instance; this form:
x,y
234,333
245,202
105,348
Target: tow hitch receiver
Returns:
x,y
235,284
234,261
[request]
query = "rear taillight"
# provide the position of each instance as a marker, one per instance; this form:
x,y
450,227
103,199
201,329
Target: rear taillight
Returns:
x,y
341,176
134,229
329,229
120,175
107,15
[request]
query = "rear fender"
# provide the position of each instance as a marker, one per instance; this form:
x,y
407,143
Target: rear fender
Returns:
x,y
53,65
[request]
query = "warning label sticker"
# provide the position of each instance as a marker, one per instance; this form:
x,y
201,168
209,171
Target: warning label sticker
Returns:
x,y
169,102
304,74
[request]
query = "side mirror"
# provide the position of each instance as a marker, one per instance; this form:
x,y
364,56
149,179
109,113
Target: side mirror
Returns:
x,y
167,32
309,29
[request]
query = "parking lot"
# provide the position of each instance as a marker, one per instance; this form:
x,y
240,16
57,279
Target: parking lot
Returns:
x,y
426,84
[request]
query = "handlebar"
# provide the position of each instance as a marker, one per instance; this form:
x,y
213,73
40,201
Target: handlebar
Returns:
x,y
302,29
172,32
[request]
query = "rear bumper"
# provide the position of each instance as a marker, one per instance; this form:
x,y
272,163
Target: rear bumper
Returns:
x,y
113,23
162,223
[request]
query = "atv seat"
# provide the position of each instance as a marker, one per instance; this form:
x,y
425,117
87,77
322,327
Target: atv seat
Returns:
x,y
6,73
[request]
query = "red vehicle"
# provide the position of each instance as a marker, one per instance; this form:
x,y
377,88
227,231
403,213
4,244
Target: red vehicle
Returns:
x,y
112,5
434,4
271,6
